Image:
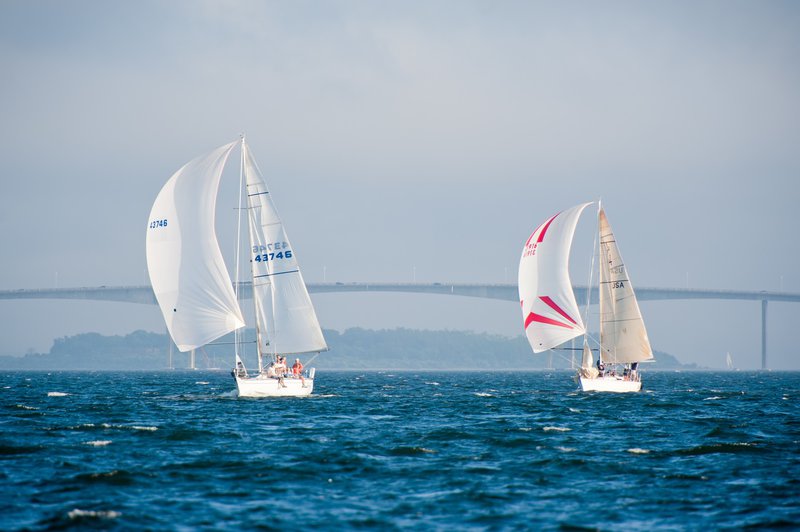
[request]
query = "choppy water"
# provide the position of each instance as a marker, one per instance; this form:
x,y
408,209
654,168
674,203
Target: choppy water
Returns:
x,y
399,450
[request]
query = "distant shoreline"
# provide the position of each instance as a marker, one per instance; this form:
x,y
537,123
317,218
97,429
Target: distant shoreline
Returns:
x,y
354,349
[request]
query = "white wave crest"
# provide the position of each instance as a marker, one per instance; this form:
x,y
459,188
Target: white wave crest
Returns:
x,y
556,429
127,427
57,394
78,513
26,407
97,443
714,398
637,450
483,394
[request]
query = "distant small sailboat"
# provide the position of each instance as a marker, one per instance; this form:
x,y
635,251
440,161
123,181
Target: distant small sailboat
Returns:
x,y
551,315
729,362
195,291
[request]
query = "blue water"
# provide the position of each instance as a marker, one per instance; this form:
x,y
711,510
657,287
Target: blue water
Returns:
x,y
176,450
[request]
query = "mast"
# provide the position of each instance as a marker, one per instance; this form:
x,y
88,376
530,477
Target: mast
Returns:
x,y
589,288
256,314
237,336
596,249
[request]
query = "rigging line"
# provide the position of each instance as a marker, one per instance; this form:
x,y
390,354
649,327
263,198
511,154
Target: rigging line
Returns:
x,y
271,274
563,357
310,360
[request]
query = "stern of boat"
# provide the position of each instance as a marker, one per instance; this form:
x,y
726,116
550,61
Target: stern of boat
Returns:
x,y
263,386
609,384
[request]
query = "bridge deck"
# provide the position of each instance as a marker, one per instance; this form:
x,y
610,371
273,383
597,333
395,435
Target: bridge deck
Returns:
x,y
507,292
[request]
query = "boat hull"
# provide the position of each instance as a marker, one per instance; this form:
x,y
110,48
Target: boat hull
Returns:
x,y
263,386
609,383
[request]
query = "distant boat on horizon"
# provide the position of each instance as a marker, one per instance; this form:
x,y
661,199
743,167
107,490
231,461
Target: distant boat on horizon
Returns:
x,y
729,362
551,315
195,291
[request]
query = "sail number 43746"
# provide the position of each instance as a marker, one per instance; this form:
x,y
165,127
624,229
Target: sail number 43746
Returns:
x,y
158,223
266,257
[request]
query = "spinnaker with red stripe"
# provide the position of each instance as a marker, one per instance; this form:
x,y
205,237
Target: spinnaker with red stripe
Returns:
x,y
549,310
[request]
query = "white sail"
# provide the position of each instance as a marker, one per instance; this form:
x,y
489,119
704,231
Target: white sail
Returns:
x,y
549,310
187,271
286,321
623,336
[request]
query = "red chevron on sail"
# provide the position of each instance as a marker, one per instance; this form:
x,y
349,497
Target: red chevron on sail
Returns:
x,y
543,319
552,304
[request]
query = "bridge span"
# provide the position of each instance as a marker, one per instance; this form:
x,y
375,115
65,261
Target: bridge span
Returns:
x,y
143,294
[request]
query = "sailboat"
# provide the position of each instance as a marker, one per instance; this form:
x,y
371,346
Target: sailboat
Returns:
x,y
551,315
197,297
729,363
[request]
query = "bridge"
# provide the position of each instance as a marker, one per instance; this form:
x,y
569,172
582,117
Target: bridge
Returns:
x,y
143,294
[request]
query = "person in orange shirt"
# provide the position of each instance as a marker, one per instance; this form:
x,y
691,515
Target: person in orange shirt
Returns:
x,y
297,370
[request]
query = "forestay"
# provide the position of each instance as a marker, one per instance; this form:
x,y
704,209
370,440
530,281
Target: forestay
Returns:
x,y
286,321
549,309
187,271
623,337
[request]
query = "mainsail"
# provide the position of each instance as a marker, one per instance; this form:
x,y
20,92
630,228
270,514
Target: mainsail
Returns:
x,y
187,271
623,337
549,310
285,318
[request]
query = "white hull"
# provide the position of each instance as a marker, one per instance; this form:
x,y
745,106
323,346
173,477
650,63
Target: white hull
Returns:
x,y
609,383
263,386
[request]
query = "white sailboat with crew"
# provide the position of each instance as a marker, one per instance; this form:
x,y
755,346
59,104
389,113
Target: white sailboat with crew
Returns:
x,y
194,289
551,315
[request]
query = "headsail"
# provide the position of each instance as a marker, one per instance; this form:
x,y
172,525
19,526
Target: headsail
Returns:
x,y
285,316
587,362
623,336
549,310
187,271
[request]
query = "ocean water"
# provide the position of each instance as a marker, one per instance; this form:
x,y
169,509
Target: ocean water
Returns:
x,y
396,450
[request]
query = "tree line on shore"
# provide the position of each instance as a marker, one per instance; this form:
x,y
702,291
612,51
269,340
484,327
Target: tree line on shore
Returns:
x,y
352,349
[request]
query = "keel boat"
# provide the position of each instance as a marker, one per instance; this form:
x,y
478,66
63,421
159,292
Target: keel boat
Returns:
x,y
551,315
197,297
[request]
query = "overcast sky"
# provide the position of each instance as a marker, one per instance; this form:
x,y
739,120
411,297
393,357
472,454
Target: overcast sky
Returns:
x,y
413,138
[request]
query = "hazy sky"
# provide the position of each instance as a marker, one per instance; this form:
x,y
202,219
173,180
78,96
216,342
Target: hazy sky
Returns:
x,y
402,137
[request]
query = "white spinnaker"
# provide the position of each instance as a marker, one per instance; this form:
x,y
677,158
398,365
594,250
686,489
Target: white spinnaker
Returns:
x,y
286,319
549,310
588,369
187,271
623,337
